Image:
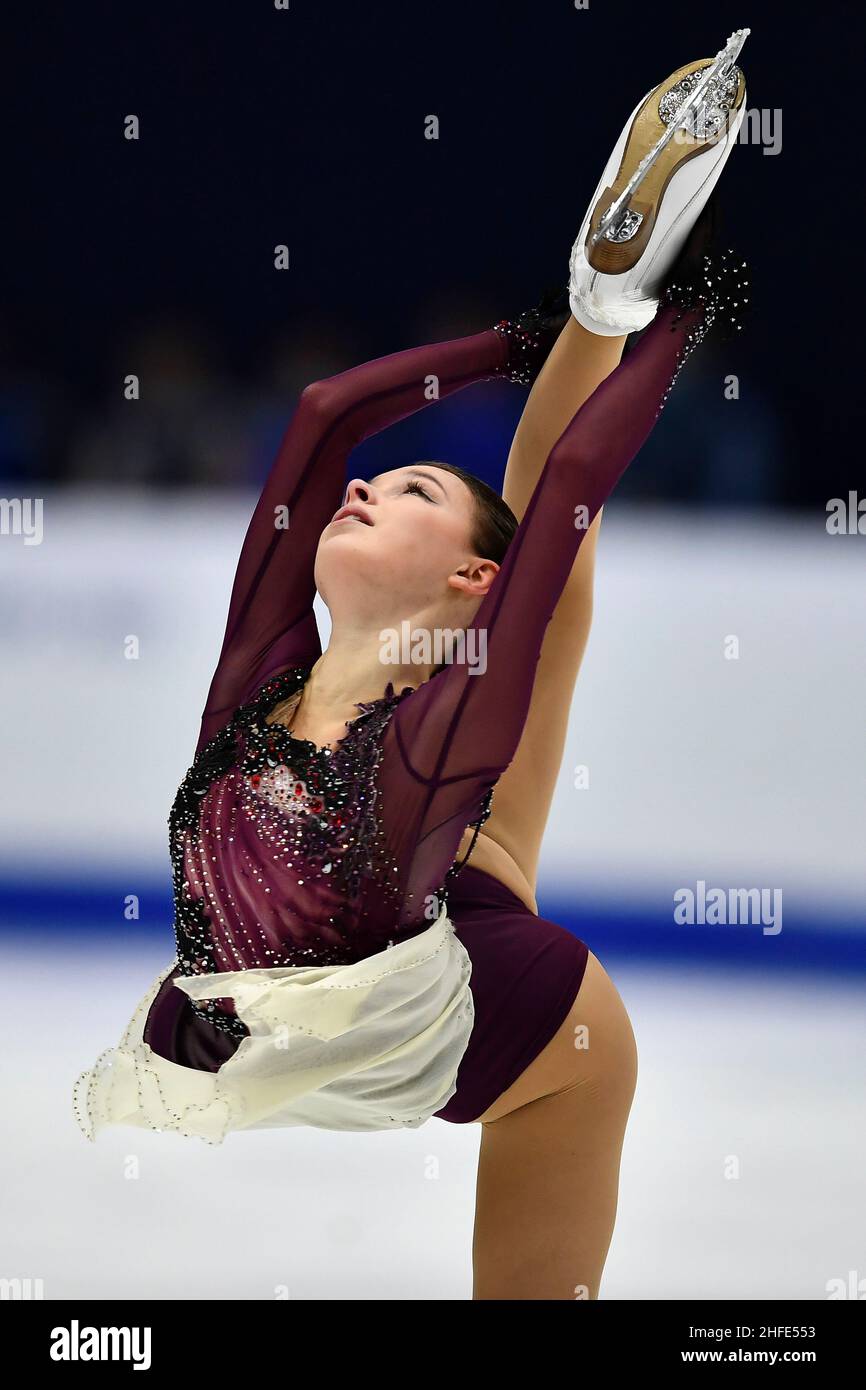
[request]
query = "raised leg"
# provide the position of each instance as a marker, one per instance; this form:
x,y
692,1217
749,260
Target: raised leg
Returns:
x,y
577,363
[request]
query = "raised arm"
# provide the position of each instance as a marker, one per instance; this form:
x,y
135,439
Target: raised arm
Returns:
x,y
271,625
450,740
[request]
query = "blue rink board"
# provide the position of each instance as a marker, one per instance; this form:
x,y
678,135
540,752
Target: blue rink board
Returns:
x,y
93,907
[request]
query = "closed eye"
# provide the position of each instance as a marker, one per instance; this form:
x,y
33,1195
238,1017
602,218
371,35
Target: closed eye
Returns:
x,y
414,486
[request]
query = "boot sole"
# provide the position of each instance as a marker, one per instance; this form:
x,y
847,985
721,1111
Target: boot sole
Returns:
x,y
616,258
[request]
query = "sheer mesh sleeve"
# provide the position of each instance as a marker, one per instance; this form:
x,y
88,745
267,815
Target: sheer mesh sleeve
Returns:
x,y
451,739
271,625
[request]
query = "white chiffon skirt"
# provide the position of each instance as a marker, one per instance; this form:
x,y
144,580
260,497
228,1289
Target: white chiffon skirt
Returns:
x,y
371,1045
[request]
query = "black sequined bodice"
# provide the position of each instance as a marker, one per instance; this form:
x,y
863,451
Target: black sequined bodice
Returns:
x,y
278,855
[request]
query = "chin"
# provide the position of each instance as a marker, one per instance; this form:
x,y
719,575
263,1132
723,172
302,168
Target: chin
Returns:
x,y
341,556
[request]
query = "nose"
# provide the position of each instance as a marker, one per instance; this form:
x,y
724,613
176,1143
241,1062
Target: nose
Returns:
x,y
359,491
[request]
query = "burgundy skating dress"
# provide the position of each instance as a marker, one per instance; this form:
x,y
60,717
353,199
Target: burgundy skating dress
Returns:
x,y
285,855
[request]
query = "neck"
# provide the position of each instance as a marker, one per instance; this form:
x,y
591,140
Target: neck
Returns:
x,y
353,671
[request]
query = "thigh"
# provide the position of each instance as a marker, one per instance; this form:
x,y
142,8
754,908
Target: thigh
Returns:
x,y
595,1039
551,1147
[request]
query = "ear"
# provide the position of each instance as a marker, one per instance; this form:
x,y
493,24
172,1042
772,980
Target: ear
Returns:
x,y
475,577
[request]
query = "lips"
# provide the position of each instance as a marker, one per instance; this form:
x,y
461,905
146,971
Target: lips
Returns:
x,y
352,511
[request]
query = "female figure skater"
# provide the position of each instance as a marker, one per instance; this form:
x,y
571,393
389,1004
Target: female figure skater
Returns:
x,y
338,962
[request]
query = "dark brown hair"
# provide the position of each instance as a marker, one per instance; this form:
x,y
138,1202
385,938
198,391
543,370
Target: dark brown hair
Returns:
x,y
494,521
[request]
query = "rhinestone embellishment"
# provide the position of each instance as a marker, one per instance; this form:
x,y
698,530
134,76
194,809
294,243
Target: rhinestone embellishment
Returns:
x,y
708,118
261,812
312,810
529,337
716,292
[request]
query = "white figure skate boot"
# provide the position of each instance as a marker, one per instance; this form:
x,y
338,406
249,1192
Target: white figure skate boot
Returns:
x,y
661,173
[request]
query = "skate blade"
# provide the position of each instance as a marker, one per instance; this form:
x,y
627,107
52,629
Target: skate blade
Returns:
x,y
621,247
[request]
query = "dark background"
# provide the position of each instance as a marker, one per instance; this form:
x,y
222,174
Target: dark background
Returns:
x,y
306,127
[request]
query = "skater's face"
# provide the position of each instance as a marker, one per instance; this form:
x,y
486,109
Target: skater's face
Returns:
x,y
407,552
